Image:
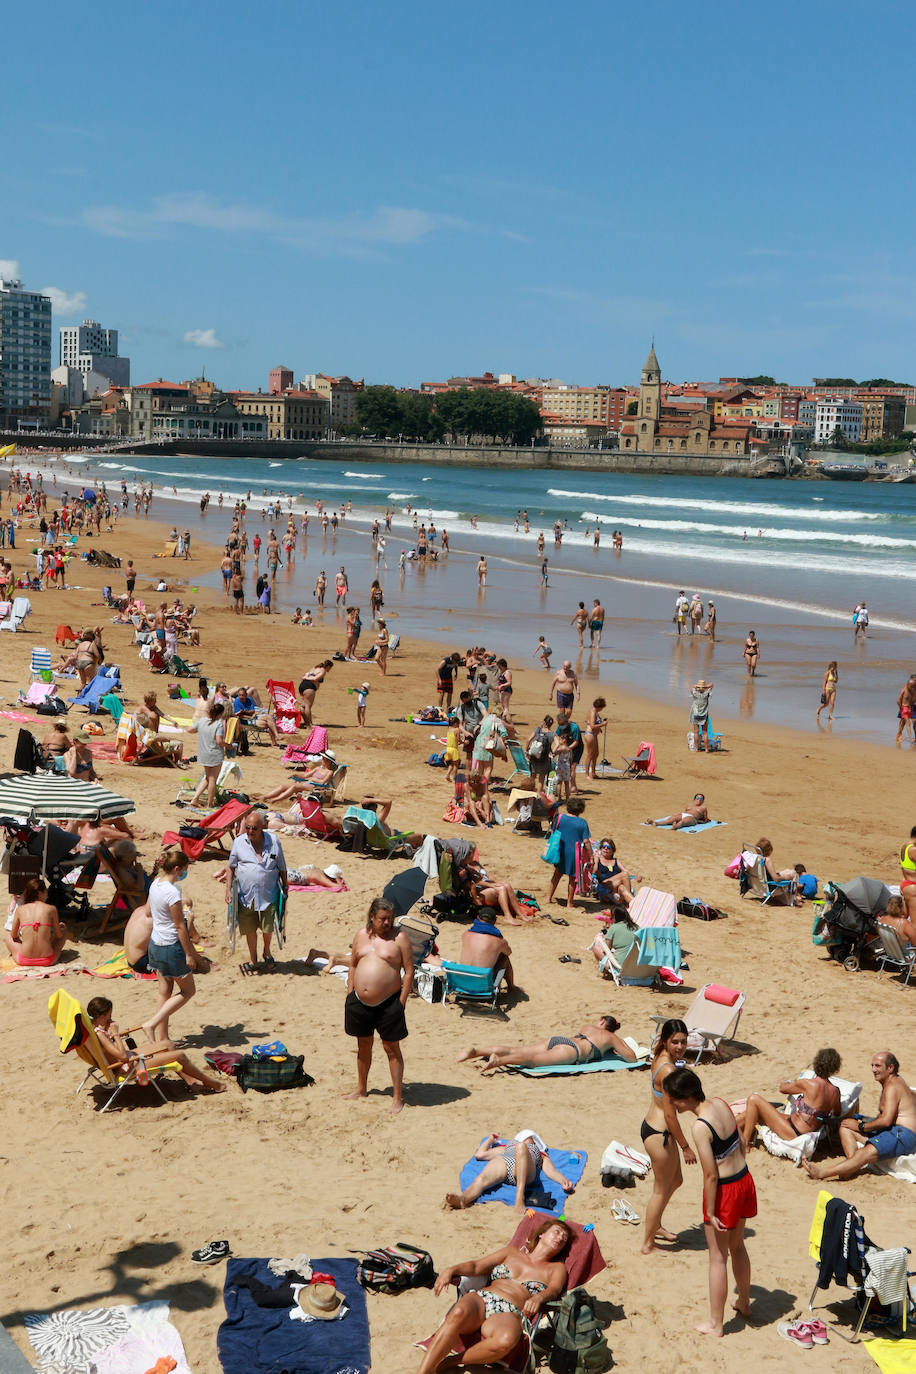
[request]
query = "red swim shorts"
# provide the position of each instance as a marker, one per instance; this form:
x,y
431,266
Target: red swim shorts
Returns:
x,y
736,1200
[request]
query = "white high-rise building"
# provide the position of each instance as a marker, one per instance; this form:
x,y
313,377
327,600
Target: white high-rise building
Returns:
x,y
837,413
25,353
91,348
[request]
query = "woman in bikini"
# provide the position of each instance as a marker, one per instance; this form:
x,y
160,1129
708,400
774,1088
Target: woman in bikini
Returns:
x,y
593,724
120,1053
907,861
88,656
729,1196
308,688
38,933
828,691
516,1162
381,647
661,1133
521,1282
592,1043
751,652
815,1100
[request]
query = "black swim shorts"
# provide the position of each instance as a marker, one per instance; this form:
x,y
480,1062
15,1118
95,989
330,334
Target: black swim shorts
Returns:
x,y
387,1018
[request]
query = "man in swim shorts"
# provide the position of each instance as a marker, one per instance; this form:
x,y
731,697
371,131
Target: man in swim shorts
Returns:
x,y
596,623
566,686
378,985
889,1135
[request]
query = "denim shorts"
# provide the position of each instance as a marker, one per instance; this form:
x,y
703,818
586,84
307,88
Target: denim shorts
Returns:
x,y
894,1142
169,960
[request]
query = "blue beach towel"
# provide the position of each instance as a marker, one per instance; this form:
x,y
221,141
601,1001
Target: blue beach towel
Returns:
x,y
610,1065
265,1340
542,1192
691,829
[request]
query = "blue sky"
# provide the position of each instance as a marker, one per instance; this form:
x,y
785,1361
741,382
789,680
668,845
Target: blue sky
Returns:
x,y
406,191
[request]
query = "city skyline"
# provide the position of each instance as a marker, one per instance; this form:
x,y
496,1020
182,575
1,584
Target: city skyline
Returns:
x,y
413,195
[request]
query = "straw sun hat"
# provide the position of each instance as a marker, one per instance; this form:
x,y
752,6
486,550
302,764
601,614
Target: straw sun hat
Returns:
x,y
321,1300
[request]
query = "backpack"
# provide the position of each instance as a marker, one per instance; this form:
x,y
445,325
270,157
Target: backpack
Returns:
x,y
396,1267
579,1346
269,1075
537,745
692,906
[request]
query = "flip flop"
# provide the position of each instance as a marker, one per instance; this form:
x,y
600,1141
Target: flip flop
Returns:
x,y
557,920
568,959
246,969
269,960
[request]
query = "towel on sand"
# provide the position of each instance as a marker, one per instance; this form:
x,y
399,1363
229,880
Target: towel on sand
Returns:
x,y
893,1357
542,1192
602,1066
690,829
117,967
263,1340
106,1340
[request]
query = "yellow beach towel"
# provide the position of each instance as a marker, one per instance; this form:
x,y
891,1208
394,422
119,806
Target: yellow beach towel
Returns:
x,y
893,1357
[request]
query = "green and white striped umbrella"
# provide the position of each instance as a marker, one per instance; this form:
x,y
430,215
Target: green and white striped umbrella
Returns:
x,y
51,797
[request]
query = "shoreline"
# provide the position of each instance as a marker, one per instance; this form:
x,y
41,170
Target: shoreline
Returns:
x,y
821,802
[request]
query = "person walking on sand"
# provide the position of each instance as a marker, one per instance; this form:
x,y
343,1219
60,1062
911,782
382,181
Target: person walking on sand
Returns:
x,y
595,624
566,685
482,571
378,985
729,1196
580,620
751,652
257,865
828,691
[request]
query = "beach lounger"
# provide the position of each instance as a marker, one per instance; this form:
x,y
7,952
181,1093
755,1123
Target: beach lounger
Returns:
x,y
40,664
316,822
467,983
288,715
894,953
753,881
91,695
74,1031
712,1017
20,608
368,833
223,824
64,635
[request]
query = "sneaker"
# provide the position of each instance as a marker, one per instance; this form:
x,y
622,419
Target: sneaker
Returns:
x,y
816,1330
797,1334
212,1253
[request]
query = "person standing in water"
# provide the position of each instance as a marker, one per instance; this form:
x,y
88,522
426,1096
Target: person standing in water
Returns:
x,y
828,691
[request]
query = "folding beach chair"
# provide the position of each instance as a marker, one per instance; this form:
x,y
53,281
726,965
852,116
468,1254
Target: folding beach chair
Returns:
x,y
893,953
754,881
712,1017
288,715
467,983
75,1032
643,764
332,791
180,667
40,664
368,833
126,901
421,932
20,608
64,635
316,822
225,823
91,695
845,1255
522,767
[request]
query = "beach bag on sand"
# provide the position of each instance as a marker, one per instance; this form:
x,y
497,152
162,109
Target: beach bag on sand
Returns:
x,y
579,1345
395,1267
270,1075
702,911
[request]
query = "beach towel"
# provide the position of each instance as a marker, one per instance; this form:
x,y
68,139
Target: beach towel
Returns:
x,y
690,829
265,1340
317,887
542,1192
105,1340
21,718
609,1065
660,947
118,967
893,1357
316,742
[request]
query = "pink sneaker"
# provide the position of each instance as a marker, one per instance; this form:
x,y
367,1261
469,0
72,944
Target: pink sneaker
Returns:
x,y
816,1330
796,1333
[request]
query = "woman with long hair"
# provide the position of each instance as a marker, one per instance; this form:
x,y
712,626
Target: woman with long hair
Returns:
x,y
751,652
661,1133
593,723
828,691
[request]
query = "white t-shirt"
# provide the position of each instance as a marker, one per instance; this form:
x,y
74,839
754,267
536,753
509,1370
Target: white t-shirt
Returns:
x,y
162,896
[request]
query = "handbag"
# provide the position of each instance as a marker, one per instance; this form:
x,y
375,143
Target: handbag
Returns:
x,y
552,849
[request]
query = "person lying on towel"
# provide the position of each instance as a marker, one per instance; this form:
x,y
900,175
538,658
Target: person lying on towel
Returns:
x,y
588,1046
517,1162
694,814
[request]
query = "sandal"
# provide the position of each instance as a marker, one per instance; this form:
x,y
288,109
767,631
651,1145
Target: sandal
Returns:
x,y
628,1213
557,920
269,960
617,1210
569,959
247,968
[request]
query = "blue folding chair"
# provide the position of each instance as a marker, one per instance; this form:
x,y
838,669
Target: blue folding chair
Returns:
x,y
467,983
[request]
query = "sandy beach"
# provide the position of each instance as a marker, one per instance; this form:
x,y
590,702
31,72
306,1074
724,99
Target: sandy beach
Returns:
x,y
106,1210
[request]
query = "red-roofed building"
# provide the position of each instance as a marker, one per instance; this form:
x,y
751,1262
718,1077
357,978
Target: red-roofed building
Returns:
x,y
686,428
294,414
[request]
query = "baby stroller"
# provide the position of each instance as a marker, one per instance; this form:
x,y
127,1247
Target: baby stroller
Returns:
x,y
49,852
848,925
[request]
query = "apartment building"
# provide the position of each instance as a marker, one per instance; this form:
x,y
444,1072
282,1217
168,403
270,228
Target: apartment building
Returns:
x,y
837,413
882,417
25,355
340,394
91,347
294,414
596,405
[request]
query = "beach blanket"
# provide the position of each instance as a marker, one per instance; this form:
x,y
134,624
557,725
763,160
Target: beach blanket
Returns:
x,y
104,749
105,1340
542,1192
317,887
21,718
602,1066
893,1357
117,967
17,974
690,829
265,1340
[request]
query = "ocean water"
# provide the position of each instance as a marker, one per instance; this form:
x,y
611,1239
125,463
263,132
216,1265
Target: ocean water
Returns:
x,y
789,558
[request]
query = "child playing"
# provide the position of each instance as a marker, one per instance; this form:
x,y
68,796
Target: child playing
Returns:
x,y
122,1053
362,693
543,651
562,752
482,690
297,618
452,754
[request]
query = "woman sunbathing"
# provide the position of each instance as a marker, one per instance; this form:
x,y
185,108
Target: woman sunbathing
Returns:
x,y
120,1053
517,1161
520,1282
816,1099
38,933
594,1042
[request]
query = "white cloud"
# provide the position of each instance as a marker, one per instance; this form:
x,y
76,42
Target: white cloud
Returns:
x,y
65,302
203,338
351,233
9,268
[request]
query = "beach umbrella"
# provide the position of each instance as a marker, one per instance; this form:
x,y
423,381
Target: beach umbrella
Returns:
x,y
50,796
405,890
868,894
89,495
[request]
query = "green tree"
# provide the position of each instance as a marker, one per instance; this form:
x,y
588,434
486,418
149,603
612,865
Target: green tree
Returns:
x,y
838,439
877,382
762,380
379,410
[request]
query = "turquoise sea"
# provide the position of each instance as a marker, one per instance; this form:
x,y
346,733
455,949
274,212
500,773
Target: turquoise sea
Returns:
x,y
788,558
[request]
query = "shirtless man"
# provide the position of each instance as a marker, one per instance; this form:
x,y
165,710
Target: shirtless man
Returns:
x,y
378,985
888,1135
694,814
483,946
595,624
341,587
580,620
137,935
566,686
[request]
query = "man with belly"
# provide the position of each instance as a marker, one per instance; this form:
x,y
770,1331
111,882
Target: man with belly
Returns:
x,y
379,983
